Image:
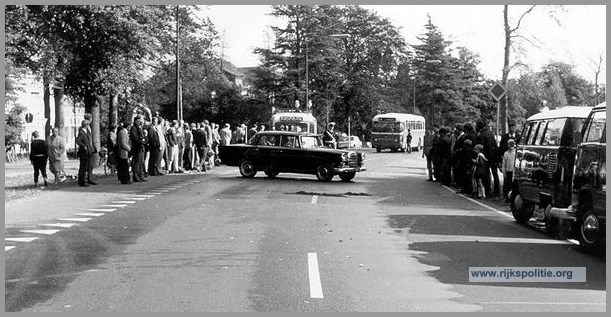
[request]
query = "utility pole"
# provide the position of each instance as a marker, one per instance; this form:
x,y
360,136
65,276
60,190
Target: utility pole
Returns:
x,y
178,88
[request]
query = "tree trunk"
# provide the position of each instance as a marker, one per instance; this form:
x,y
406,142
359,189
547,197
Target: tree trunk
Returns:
x,y
47,102
504,102
92,106
60,113
113,111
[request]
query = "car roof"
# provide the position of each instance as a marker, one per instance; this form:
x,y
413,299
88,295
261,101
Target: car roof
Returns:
x,y
601,106
564,112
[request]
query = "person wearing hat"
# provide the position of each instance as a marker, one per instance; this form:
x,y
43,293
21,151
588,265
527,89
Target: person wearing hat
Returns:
x,y
511,134
328,137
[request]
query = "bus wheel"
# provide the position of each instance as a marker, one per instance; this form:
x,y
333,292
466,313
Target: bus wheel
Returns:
x,y
247,169
378,149
521,209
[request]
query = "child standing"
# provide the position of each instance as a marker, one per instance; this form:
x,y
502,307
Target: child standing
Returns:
x,y
509,158
480,163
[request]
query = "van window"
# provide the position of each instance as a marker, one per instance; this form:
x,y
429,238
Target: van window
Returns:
x,y
577,126
553,132
525,131
533,131
595,132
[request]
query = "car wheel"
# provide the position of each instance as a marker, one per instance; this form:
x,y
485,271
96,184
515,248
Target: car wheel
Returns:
x,y
247,169
347,176
378,149
521,209
271,173
324,172
589,231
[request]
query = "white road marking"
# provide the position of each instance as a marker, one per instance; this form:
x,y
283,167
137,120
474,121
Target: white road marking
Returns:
x,y
90,214
113,206
143,195
60,225
481,204
101,209
47,232
137,198
314,198
74,219
21,239
314,275
538,303
124,202
153,193
6,248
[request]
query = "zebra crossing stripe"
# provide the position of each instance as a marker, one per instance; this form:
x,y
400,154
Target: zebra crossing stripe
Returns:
x,y
114,206
137,198
74,219
89,214
47,232
143,195
6,248
101,210
124,202
30,239
60,225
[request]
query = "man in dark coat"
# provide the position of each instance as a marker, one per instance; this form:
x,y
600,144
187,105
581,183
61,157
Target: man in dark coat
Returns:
x,y
86,150
443,154
485,137
154,148
136,136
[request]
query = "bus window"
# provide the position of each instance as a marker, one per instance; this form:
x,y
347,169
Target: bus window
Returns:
x,y
533,131
553,132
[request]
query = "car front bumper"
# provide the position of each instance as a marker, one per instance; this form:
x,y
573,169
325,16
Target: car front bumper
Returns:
x,y
347,169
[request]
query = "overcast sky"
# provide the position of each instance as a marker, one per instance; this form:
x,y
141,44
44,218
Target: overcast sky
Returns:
x,y
579,41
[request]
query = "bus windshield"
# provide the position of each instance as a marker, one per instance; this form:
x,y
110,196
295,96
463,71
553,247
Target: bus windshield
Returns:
x,y
392,127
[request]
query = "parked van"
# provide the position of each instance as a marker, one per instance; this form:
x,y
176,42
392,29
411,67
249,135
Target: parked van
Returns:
x,y
545,157
586,213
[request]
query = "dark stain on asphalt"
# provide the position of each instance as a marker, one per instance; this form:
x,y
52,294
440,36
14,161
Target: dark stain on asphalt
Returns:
x,y
332,194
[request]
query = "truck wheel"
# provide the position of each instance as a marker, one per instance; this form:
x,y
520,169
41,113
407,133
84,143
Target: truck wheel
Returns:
x,y
247,169
324,173
589,231
521,209
347,176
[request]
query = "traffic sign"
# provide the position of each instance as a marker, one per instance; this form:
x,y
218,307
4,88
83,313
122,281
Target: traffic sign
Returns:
x,y
497,91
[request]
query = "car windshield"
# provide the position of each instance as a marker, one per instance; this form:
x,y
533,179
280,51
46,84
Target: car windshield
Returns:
x,y
310,142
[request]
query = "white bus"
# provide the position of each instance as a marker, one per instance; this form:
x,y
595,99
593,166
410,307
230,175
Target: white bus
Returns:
x,y
389,131
293,121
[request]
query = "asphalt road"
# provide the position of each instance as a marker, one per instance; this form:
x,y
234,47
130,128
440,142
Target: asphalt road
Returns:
x,y
387,241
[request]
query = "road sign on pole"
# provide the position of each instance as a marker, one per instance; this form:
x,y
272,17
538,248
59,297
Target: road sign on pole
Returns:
x,y
497,91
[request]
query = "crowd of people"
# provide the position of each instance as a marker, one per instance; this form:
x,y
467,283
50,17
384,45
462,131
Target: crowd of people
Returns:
x,y
469,158
137,149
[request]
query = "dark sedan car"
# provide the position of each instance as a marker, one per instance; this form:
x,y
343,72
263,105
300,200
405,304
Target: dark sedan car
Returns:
x,y
291,152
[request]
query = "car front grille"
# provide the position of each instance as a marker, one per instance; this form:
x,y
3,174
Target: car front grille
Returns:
x,y
353,159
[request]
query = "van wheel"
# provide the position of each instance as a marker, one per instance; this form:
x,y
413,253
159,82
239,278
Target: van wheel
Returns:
x,y
324,173
247,169
521,209
589,231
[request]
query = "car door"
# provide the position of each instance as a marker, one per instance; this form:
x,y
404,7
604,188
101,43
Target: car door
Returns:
x,y
290,153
